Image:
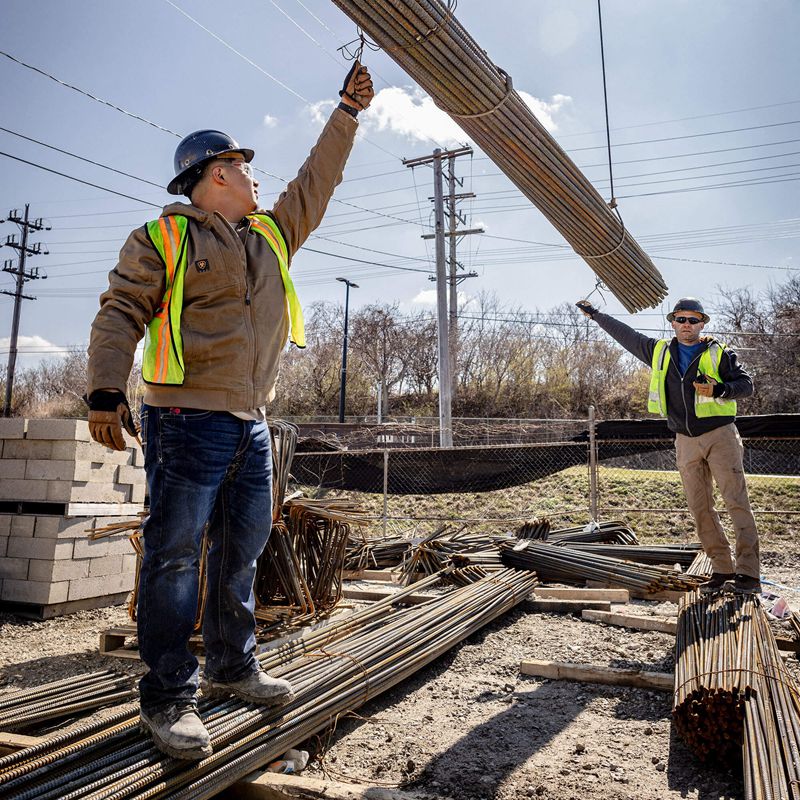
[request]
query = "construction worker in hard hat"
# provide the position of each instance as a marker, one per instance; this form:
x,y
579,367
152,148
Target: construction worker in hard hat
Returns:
x,y
695,382
208,285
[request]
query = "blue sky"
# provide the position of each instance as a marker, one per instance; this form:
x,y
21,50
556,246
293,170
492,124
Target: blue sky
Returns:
x,y
700,95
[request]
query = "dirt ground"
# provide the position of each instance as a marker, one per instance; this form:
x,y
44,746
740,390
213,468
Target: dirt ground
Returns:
x,y
471,725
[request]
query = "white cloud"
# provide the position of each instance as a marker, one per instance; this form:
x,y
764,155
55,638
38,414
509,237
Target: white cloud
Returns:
x,y
411,113
269,121
30,350
427,297
321,111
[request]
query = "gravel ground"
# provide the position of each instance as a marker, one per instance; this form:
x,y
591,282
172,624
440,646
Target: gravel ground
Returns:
x,y
471,725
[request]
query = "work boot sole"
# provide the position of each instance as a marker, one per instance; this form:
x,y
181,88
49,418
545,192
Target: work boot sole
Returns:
x,y
183,753
216,690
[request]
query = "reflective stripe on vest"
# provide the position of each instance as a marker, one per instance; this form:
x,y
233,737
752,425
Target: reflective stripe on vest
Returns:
x,y
162,361
708,365
268,228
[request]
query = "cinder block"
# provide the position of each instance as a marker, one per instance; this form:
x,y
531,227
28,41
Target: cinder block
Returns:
x,y
98,587
22,525
24,490
58,491
40,592
47,549
138,493
12,468
54,527
99,493
132,475
96,472
91,548
107,565
55,429
129,562
138,457
89,451
12,428
5,524
14,568
25,448
38,469
55,571
3,546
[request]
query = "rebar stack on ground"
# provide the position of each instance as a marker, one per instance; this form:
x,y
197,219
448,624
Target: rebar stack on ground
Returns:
x,y
442,548
562,564
428,42
701,566
608,532
27,709
642,554
534,529
734,697
376,553
334,669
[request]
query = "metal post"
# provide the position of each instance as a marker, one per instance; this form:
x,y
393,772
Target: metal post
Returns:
x,y
385,488
592,467
343,383
445,385
380,402
453,315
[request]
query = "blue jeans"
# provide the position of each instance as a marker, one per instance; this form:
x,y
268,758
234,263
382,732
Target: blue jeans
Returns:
x,y
203,467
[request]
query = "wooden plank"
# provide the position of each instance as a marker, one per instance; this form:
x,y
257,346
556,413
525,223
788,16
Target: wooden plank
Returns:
x,y
632,621
11,742
788,645
592,673
565,606
572,593
271,786
670,596
382,594
383,575
112,643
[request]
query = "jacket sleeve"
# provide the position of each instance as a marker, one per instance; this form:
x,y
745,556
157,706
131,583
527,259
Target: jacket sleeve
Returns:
x,y
300,208
135,289
634,342
736,383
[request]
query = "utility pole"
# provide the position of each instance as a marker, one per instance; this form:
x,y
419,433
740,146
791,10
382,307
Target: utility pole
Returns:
x,y
446,318
21,276
344,345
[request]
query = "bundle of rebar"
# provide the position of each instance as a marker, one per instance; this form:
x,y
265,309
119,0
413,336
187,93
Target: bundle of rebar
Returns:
x,y
734,697
333,669
28,709
562,564
612,532
642,554
283,438
701,566
534,529
365,553
427,41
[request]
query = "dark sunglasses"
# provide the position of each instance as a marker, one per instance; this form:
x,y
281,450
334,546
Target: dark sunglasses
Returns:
x,y
690,320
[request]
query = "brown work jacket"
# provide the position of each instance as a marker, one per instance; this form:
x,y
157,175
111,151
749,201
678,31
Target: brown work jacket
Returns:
x,y
234,322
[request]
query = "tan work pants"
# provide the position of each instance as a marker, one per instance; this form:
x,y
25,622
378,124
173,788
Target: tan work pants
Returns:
x,y
718,453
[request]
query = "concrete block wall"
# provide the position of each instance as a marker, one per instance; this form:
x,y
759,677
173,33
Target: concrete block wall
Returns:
x,y
64,485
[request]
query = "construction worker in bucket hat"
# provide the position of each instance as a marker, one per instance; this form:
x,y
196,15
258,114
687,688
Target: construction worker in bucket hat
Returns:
x,y
694,383
208,285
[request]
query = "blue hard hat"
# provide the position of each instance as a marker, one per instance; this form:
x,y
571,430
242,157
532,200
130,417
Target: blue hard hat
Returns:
x,y
195,151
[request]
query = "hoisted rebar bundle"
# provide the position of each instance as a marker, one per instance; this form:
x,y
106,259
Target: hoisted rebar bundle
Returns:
x,y
428,42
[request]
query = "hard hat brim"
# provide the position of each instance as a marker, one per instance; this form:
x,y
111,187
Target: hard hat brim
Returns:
x,y
672,314
176,185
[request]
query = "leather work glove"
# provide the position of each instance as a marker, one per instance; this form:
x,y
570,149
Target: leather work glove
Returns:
x,y
704,386
109,413
588,309
357,91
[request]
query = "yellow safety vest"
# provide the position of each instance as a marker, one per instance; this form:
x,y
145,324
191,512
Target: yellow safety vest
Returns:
x,y
162,361
709,365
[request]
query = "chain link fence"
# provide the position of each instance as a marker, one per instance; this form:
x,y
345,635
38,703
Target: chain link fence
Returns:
x,y
501,473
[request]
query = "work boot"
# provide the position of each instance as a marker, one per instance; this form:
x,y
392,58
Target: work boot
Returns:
x,y
257,688
744,584
716,582
178,731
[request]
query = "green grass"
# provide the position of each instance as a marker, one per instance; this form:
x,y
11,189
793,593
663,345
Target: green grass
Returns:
x,y
651,502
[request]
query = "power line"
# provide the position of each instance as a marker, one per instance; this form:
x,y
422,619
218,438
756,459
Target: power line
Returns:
x,y
80,180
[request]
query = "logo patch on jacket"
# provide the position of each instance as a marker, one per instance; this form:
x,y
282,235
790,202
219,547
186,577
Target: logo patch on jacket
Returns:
x,y
202,265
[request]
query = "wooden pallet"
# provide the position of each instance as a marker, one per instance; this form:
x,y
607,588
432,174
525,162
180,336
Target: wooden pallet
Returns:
x,y
117,642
